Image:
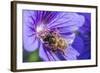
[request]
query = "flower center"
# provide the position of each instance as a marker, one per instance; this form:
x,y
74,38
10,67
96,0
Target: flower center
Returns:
x,y
41,31
40,28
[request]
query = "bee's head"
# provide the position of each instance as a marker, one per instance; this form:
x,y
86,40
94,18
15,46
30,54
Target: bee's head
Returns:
x,y
49,38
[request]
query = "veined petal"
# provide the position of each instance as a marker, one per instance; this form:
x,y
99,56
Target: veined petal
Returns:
x,y
43,53
51,15
29,17
53,56
47,55
30,42
68,22
71,53
65,30
69,38
45,17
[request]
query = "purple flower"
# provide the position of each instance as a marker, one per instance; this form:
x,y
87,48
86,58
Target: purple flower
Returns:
x,y
52,33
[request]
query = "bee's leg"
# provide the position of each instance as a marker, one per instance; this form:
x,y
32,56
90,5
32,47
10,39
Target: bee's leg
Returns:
x,y
54,50
62,51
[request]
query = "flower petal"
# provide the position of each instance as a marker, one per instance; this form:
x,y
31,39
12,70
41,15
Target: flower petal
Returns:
x,y
68,22
29,21
71,53
53,56
30,42
45,17
43,53
50,16
47,55
69,38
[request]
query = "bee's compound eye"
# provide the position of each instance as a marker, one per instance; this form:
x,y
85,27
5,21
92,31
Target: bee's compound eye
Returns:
x,y
53,40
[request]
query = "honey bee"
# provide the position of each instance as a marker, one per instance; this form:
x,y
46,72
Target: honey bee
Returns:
x,y
54,42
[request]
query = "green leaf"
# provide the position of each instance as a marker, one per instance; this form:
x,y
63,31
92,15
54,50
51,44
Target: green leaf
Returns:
x,y
34,56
